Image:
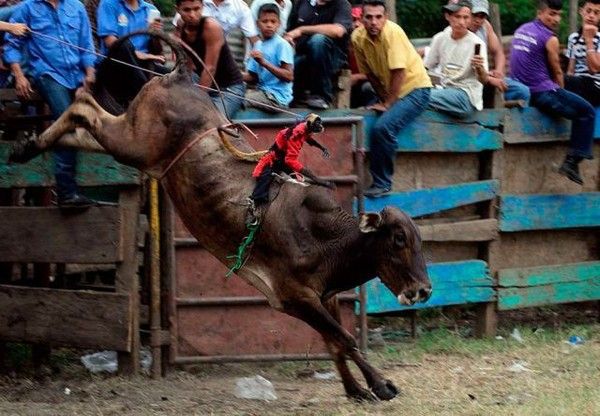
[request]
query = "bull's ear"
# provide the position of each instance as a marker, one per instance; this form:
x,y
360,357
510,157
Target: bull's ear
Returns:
x,y
369,222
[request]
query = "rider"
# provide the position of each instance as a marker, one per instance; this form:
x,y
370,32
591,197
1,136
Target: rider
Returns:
x,y
283,157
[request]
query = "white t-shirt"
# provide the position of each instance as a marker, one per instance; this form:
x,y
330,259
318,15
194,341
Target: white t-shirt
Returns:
x,y
230,14
450,59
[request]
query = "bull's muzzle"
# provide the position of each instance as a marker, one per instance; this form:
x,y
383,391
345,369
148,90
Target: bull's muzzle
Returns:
x,y
410,297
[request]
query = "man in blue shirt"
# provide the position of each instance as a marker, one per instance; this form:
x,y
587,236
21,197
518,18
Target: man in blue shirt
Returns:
x,y
117,18
56,69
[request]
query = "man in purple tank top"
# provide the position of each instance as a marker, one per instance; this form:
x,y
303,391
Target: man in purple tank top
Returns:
x,y
534,61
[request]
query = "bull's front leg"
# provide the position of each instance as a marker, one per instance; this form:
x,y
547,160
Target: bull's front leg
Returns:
x,y
84,112
314,313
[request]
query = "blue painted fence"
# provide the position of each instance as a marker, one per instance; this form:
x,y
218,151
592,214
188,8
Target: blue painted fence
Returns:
x,y
454,283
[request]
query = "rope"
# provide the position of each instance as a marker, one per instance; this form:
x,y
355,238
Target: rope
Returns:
x,y
241,251
217,90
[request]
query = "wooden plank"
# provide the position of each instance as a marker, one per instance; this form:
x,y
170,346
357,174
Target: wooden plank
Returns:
x,y
478,230
126,279
454,283
535,286
547,212
47,234
429,201
10,94
65,317
92,170
529,125
549,275
430,132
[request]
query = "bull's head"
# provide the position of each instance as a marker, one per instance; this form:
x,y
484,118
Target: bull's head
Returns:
x,y
398,256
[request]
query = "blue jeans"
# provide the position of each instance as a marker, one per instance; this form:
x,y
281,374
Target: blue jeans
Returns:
x,y
232,103
59,98
317,60
385,132
452,101
563,103
516,90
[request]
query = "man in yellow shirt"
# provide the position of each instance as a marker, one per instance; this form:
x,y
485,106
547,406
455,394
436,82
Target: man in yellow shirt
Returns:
x,y
396,71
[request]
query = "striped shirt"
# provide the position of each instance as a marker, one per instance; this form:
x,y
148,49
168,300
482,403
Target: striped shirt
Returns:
x,y
577,49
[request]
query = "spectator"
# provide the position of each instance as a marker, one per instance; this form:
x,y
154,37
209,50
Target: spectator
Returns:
x,y
271,64
57,71
452,57
512,89
395,69
319,30
362,93
7,8
285,7
117,18
583,51
205,36
231,14
535,61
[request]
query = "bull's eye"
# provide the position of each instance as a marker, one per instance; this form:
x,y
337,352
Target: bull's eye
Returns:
x,y
400,240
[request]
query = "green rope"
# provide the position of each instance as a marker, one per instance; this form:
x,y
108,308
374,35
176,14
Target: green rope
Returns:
x,y
241,251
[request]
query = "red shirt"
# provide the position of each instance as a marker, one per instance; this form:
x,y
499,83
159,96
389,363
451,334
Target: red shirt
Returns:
x,y
289,146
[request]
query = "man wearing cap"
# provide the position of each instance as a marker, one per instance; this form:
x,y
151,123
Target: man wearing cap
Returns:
x,y
453,58
395,69
513,89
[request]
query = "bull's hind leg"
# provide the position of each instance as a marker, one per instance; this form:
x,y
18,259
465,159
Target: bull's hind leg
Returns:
x,y
314,313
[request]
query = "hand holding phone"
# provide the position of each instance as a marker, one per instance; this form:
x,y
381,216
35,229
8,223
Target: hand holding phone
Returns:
x,y
477,49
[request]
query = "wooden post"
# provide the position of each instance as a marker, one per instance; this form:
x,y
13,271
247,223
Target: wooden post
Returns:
x,y
167,272
155,315
573,15
127,278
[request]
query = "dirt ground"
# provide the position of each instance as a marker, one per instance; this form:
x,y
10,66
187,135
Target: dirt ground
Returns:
x,y
443,372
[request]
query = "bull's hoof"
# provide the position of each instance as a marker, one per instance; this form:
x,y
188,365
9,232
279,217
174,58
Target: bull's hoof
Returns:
x,y
23,151
385,390
358,394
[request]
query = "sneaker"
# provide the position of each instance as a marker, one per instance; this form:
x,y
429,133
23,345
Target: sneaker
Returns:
x,y
76,201
570,169
376,192
316,102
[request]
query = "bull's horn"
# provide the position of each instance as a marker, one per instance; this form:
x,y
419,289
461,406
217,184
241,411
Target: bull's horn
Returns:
x,y
238,154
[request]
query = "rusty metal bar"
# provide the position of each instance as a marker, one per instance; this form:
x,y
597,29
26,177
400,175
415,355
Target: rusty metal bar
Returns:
x,y
249,358
359,155
244,300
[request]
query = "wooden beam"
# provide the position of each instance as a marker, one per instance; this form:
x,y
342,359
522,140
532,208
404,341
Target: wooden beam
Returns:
x,y
429,201
478,230
65,317
47,234
536,286
92,170
530,125
454,283
549,212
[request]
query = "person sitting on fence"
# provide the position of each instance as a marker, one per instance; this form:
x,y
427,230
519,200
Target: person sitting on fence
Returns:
x,y
284,6
459,58
231,15
396,71
362,93
513,90
535,62
283,158
319,30
7,9
271,64
205,36
57,71
583,51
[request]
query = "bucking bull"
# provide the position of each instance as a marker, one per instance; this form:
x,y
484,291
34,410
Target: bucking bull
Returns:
x,y
308,249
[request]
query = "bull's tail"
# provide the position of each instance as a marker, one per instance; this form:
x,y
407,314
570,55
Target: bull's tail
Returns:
x,y
174,43
238,154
